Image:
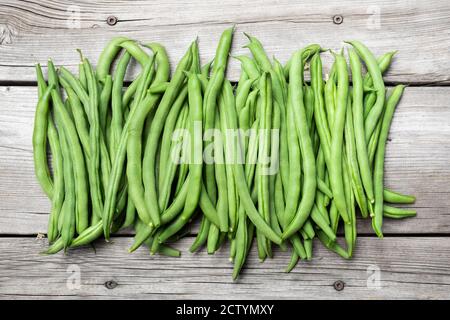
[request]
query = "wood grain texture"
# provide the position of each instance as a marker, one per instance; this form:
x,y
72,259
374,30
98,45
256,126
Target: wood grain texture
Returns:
x,y
417,162
409,268
33,31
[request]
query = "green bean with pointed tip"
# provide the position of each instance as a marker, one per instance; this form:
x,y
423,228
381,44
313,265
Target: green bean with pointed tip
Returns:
x,y
398,213
378,84
40,128
167,166
307,153
359,133
151,146
196,163
378,171
395,197
352,161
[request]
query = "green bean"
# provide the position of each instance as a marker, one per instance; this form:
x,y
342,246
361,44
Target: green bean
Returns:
x,y
196,163
329,97
358,123
201,236
249,66
383,62
63,120
207,207
213,239
395,197
130,91
58,182
242,80
293,186
116,170
94,140
284,152
209,106
352,161
377,78
320,116
317,217
223,50
116,101
107,56
335,168
350,236
151,146
323,187
334,216
309,229
373,142
378,172
158,88
220,178
397,213
308,244
230,188
136,52
264,151
136,124
105,96
82,75
333,246
309,167
242,241
68,207
292,262
168,251
40,142
241,98
167,166
241,185
206,69
258,53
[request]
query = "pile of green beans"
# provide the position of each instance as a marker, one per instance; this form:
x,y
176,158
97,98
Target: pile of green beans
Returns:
x,y
305,159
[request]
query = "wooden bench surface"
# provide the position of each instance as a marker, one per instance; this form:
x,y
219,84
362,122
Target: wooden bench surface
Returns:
x,y
413,258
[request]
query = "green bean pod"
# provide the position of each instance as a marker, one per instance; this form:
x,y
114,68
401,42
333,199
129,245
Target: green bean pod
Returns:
x,y
378,171
196,161
308,159
151,146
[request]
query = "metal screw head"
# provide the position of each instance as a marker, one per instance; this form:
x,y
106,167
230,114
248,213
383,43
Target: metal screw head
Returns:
x,y
111,284
338,19
111,20
339,285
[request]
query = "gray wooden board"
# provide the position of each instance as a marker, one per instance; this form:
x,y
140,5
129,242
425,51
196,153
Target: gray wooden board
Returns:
x,y
33,31
413,259
395,268
417,162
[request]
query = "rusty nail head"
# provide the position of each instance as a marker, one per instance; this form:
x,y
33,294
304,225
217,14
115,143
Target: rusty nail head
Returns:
x,y
338,19
339,285
111,20
111,284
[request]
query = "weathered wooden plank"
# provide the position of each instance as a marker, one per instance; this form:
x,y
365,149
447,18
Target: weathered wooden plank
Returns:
x,y
405,268
33,31
417,162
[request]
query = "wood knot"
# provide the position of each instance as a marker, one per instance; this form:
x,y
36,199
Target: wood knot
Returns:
x,y
7,33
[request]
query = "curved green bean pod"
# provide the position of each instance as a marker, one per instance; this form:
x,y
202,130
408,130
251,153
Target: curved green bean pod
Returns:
x,y
378,84
398,213
40,142
151,146
335,168
358,123
308,159
378,172
107,56
395,197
